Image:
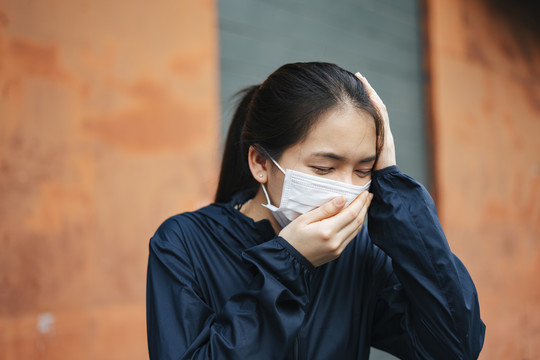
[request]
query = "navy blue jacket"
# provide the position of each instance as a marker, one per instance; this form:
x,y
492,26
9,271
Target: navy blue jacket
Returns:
x,y
221,286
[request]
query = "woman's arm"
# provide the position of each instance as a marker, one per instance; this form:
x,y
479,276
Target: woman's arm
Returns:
x,y
428,307
260,321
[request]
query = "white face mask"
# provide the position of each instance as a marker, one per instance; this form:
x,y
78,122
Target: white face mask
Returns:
x,y
303,192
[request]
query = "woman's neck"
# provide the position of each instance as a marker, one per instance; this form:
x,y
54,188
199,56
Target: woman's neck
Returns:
x,y
253,209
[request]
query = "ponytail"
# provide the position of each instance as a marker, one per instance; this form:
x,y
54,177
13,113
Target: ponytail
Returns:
x,y
235,174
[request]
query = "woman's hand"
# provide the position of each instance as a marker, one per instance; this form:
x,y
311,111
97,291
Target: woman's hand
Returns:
x,y
322,234
387,157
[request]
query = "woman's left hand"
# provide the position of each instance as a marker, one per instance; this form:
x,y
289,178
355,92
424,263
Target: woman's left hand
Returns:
x,y
387,157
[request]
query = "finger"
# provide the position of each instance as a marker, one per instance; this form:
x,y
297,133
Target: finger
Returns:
x,y
347,234
366,83
326,210
352,228
350,231
374,97
349,214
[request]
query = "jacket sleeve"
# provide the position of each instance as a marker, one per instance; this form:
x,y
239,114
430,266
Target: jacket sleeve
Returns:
x,y
428,306
258,322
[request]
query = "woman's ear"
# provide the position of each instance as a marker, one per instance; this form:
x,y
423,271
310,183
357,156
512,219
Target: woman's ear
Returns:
x,y
258,165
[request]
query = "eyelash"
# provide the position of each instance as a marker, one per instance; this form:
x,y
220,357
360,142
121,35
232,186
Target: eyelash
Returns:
x,y
321,170
363,173
327,171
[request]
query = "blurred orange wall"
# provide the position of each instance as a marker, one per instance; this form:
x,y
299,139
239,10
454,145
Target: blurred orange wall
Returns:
x,y
108,125
485,92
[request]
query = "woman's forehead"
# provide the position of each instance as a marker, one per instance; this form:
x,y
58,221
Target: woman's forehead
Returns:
x,y
345,132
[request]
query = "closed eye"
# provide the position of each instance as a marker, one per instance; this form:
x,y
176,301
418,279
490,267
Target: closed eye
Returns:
x,y
363,173
322,171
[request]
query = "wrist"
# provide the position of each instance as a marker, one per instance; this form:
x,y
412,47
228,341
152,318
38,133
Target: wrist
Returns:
x,y
384,163
387,157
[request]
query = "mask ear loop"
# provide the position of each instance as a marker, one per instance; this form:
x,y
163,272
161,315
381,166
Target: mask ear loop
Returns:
x,y
261,149
264,187
275,162
267,197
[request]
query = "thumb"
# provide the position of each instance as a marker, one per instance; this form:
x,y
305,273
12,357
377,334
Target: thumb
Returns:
x,y
326,210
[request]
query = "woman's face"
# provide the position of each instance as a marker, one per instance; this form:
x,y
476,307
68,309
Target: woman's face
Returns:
x,y
341,146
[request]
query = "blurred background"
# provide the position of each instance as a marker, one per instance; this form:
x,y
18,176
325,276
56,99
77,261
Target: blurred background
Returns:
x,y
112,115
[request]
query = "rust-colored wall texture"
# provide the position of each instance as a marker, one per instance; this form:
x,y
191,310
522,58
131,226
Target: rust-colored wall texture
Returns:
x,y
108,125
485,91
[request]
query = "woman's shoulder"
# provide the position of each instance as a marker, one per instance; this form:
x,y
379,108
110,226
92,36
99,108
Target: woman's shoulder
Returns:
x,y
183,226
210,219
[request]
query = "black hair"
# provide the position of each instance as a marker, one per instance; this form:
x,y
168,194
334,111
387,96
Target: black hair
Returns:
x,y
280,112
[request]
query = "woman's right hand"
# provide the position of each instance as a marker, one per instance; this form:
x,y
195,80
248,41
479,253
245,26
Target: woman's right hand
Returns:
x,y
322,234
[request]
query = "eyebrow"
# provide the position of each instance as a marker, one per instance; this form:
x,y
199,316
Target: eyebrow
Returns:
x,y
337,157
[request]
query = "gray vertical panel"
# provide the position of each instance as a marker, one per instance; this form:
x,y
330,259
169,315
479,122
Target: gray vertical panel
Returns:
x,y
379,38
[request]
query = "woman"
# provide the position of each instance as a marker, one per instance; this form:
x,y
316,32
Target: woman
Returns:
x,y
282,266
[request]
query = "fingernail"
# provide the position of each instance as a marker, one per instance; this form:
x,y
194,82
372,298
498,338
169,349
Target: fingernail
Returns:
x,y
370,196
339,201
